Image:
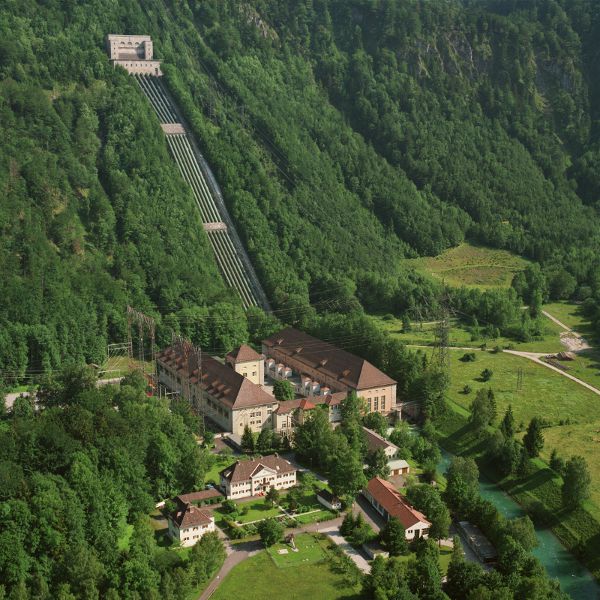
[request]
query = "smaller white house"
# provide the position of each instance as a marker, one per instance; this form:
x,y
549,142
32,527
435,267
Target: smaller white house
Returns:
x,y
255,477
188,524
390,503
328,500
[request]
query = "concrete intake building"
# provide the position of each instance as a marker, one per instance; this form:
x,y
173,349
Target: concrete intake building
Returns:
x,y
319,368
134,53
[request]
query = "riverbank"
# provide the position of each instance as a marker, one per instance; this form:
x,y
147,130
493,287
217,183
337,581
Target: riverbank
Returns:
x,y
538,494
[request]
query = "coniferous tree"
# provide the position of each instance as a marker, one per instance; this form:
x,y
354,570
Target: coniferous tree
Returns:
x,y
534,438
507,426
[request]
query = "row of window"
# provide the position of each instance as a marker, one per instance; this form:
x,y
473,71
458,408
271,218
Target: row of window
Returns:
x,y
375,404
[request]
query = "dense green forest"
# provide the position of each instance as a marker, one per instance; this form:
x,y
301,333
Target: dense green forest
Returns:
x,y
74,473
345,135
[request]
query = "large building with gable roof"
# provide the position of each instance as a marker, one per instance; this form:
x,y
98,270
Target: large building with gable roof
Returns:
x,y
390,503
215,389
255,477
323,368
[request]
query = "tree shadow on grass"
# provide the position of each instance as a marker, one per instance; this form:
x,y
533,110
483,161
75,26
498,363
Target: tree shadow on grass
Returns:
x,y
590,549
466,441
531,482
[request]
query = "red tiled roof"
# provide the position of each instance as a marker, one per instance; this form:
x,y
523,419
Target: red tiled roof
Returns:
x,y
198,496
190,516
243,470
290,405
374,441
218,380
244,354
394,503
334,399
325,358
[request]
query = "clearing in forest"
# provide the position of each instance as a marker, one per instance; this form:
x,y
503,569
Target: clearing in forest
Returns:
x,y
473,266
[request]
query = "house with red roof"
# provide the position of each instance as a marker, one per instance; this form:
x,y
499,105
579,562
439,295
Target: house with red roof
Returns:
x,y
389,502
255,477
188,523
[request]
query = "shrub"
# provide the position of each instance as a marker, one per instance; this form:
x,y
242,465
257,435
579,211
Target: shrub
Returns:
x,y
229,506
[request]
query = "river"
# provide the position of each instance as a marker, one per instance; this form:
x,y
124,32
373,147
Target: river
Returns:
x,y
560,564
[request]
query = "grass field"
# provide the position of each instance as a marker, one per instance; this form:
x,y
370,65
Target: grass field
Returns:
x,y
474,266
581,439
259,578
569,314
544,392
220,462
309,551
424,335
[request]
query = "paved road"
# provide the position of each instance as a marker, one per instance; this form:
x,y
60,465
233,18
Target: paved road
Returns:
x,y
372,517
333,533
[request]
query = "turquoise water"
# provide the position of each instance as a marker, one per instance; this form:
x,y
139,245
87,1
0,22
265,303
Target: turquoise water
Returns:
x,y
560,564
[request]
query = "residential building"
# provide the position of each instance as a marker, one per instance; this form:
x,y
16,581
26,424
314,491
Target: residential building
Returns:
x,y
248,362
215,389
255,477
377,442
389,502
328,500
321,368
187,524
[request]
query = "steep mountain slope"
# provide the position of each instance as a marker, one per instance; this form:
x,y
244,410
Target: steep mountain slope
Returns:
x,y
345,135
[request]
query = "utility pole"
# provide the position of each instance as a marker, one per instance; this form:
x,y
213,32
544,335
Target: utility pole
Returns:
x,y
519,379
146,326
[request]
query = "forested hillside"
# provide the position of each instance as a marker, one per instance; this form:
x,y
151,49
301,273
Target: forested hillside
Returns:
x,y
346,135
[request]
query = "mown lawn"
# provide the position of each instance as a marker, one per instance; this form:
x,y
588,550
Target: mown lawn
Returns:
x,y
259,578
309,548
220,462
546,394
581,439
314,517
473,266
